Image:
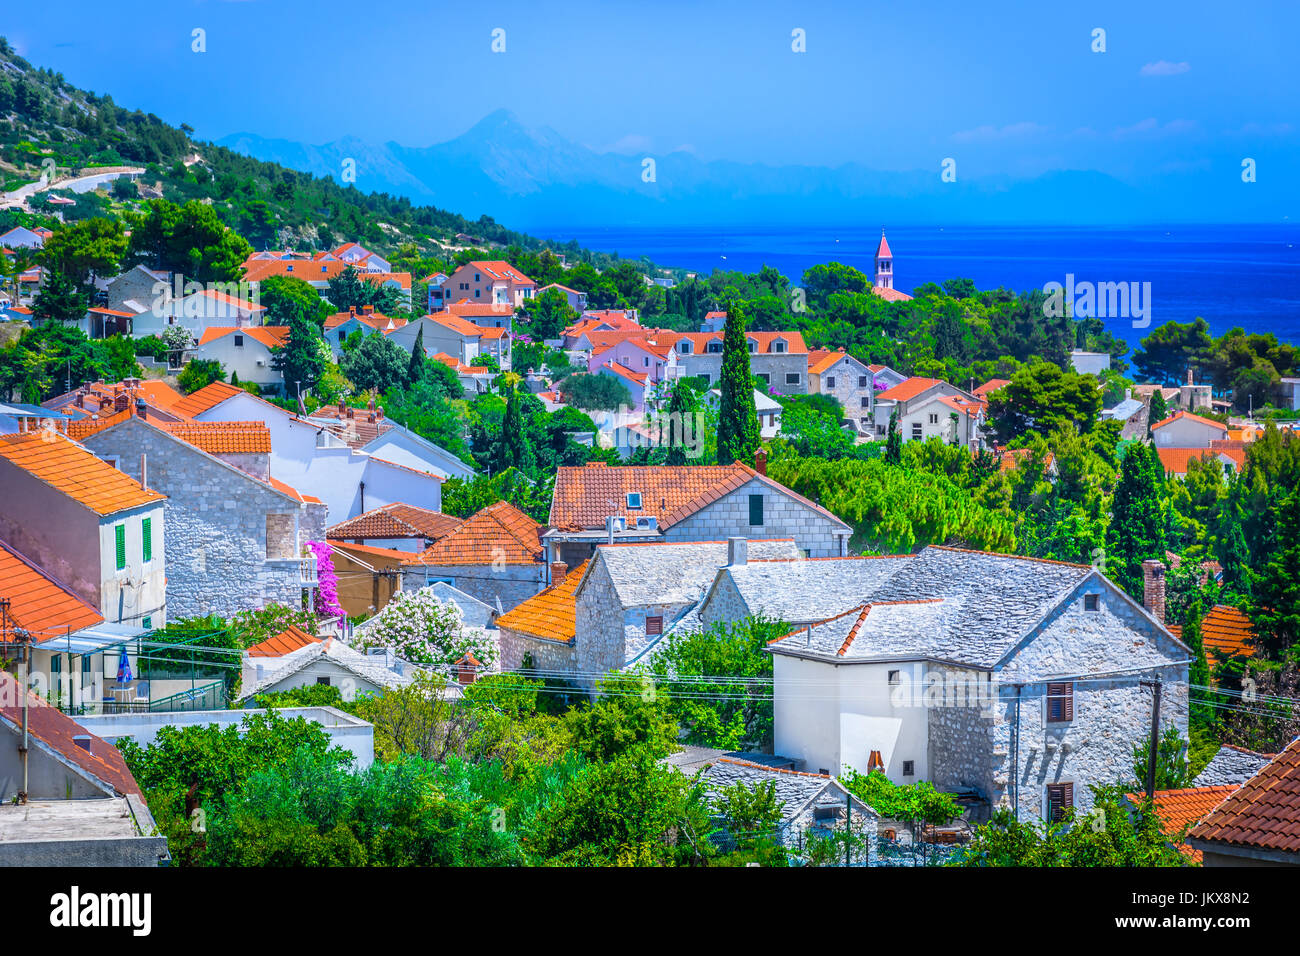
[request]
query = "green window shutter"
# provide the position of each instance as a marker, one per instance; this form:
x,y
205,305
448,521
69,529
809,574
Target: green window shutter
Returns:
x,y
146,532
755,509
120,533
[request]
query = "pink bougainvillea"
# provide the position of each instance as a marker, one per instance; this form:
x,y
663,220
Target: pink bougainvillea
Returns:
x,y
327,588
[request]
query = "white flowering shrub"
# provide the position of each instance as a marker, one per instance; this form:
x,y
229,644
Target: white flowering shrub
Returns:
x,y
417,626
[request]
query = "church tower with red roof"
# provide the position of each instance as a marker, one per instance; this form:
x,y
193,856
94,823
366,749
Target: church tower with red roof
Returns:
x,y
884,263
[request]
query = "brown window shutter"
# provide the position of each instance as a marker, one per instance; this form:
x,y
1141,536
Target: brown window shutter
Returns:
x,y
1060,702
1067,705
1067,796
654,625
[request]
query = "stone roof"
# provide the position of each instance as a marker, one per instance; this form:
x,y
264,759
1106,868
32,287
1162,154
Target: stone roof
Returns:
x,y
374,671
813,589
1264,814
794,789
678,573
1231,765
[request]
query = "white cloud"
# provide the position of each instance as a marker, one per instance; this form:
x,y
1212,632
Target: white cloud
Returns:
x,y
1164,68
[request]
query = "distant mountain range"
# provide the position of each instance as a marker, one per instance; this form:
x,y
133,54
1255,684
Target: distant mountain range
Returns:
x,y
534,179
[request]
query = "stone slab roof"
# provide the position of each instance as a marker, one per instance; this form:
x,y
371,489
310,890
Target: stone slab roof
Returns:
x,y
811,589
677,573
1231,765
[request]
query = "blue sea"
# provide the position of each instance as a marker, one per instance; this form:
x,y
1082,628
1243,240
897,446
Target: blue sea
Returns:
x,y
1231,275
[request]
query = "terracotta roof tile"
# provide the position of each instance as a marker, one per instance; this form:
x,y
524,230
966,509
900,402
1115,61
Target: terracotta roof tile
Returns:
x,y
83,428
396,520
1227,632
1176,460
1190,417
38,603
992,385
286,642
272,336
908,389
550,615
72,470
225,438
1179,809
208,397
59,732
498,533
1264,814
890,295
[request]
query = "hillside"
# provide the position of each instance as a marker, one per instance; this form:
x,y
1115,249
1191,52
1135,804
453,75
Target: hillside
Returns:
x,y
43,118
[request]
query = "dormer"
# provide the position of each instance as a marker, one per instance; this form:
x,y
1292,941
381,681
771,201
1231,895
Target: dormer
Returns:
x,y
780,345
752,345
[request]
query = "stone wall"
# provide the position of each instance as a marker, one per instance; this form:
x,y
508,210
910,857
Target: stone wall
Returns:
x,y
513,584
846,372
546,655
798,829
216,516
783,517
601,639
961,710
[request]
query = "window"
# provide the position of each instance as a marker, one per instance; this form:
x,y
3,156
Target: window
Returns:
x,y
916,431
909,768
753,346
1060,797
430,579
323,681
654,625
767,379
239,341
684,348
119,533
634,499
146,535
862,381
792,378
823,814
830,381
866,401
1091,602
934,418
755,510
705,376
778,346
715,347
895,677
1060,703
645,361
146,623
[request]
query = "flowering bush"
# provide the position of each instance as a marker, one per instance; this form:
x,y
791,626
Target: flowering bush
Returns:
x,y
327,590
422,629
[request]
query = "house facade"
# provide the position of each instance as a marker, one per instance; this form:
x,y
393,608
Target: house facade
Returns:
x,y
247,351
491,281
847,380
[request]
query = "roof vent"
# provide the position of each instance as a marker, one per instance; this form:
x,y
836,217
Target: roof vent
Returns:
x,y
83,741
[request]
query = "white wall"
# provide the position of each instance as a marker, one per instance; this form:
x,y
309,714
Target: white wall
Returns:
x,y
1188,433
140,589
243,360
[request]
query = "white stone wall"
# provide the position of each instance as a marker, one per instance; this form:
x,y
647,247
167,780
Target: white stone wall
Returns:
x,y
547,655
783,517
846,373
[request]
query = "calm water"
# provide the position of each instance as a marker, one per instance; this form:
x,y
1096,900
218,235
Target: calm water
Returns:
x,y
1246,276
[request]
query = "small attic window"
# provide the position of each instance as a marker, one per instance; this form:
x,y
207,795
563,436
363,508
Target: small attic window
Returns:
x,y
634,499
1091,602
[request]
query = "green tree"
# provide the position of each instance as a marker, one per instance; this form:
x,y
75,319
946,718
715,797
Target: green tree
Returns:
x,y
1041,398
1276,607
199,373
595,392
516,448
60,300
286,296
893,440
1157,411
85,250
549,314
188,239
1137,522
415,367
304,357
738,436
377,363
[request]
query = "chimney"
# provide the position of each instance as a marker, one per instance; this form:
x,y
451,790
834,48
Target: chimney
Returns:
x,y
1153,588
760,461
371,404
609,528
737,552
559,571
144,472
121,402
466,669
141,406
379,413
349,412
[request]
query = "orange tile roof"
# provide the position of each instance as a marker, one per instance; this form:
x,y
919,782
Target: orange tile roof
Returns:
x,y
1264,813
550,615
498,533
400,557
449,320
584,496
375,320
272,336
396,520
1179,809
1188,415
479,308
820,360
291,491
1176,460
992,385
500,269
959,404
1227,632
72,470
83,428
225,438
206,398
890,295
627,373
908,389
286,642
38,603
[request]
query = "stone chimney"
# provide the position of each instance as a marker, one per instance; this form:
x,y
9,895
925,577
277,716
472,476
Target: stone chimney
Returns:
x,y
559,571
343,408
737,551
1153,588
760,461
122,401
467,669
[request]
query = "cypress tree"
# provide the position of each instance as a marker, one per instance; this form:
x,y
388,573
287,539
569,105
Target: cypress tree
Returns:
x,y
1137,528
234,378
678,412
738,436
416,368
1277,586
516,450
1198,672
1157,410
894,441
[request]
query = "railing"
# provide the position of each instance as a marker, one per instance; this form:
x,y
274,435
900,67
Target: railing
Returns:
x,y
204,697
307,571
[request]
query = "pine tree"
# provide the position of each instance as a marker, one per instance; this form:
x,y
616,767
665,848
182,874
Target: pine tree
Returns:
x,y
894,441
1198,672
1277,586
1137,528
679,410
738,436
416,368
1157,410
234,379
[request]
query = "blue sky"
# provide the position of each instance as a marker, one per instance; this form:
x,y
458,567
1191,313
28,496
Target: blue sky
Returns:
x,y
1006,88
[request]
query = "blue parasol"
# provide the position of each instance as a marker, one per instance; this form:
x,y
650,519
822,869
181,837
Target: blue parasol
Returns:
x,y
124,669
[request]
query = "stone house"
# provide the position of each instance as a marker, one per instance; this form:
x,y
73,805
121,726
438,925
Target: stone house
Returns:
x,y
595,504
236,535
849,381
495,556
915,422
88,525
780,359
447,333
1020,679
540,633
